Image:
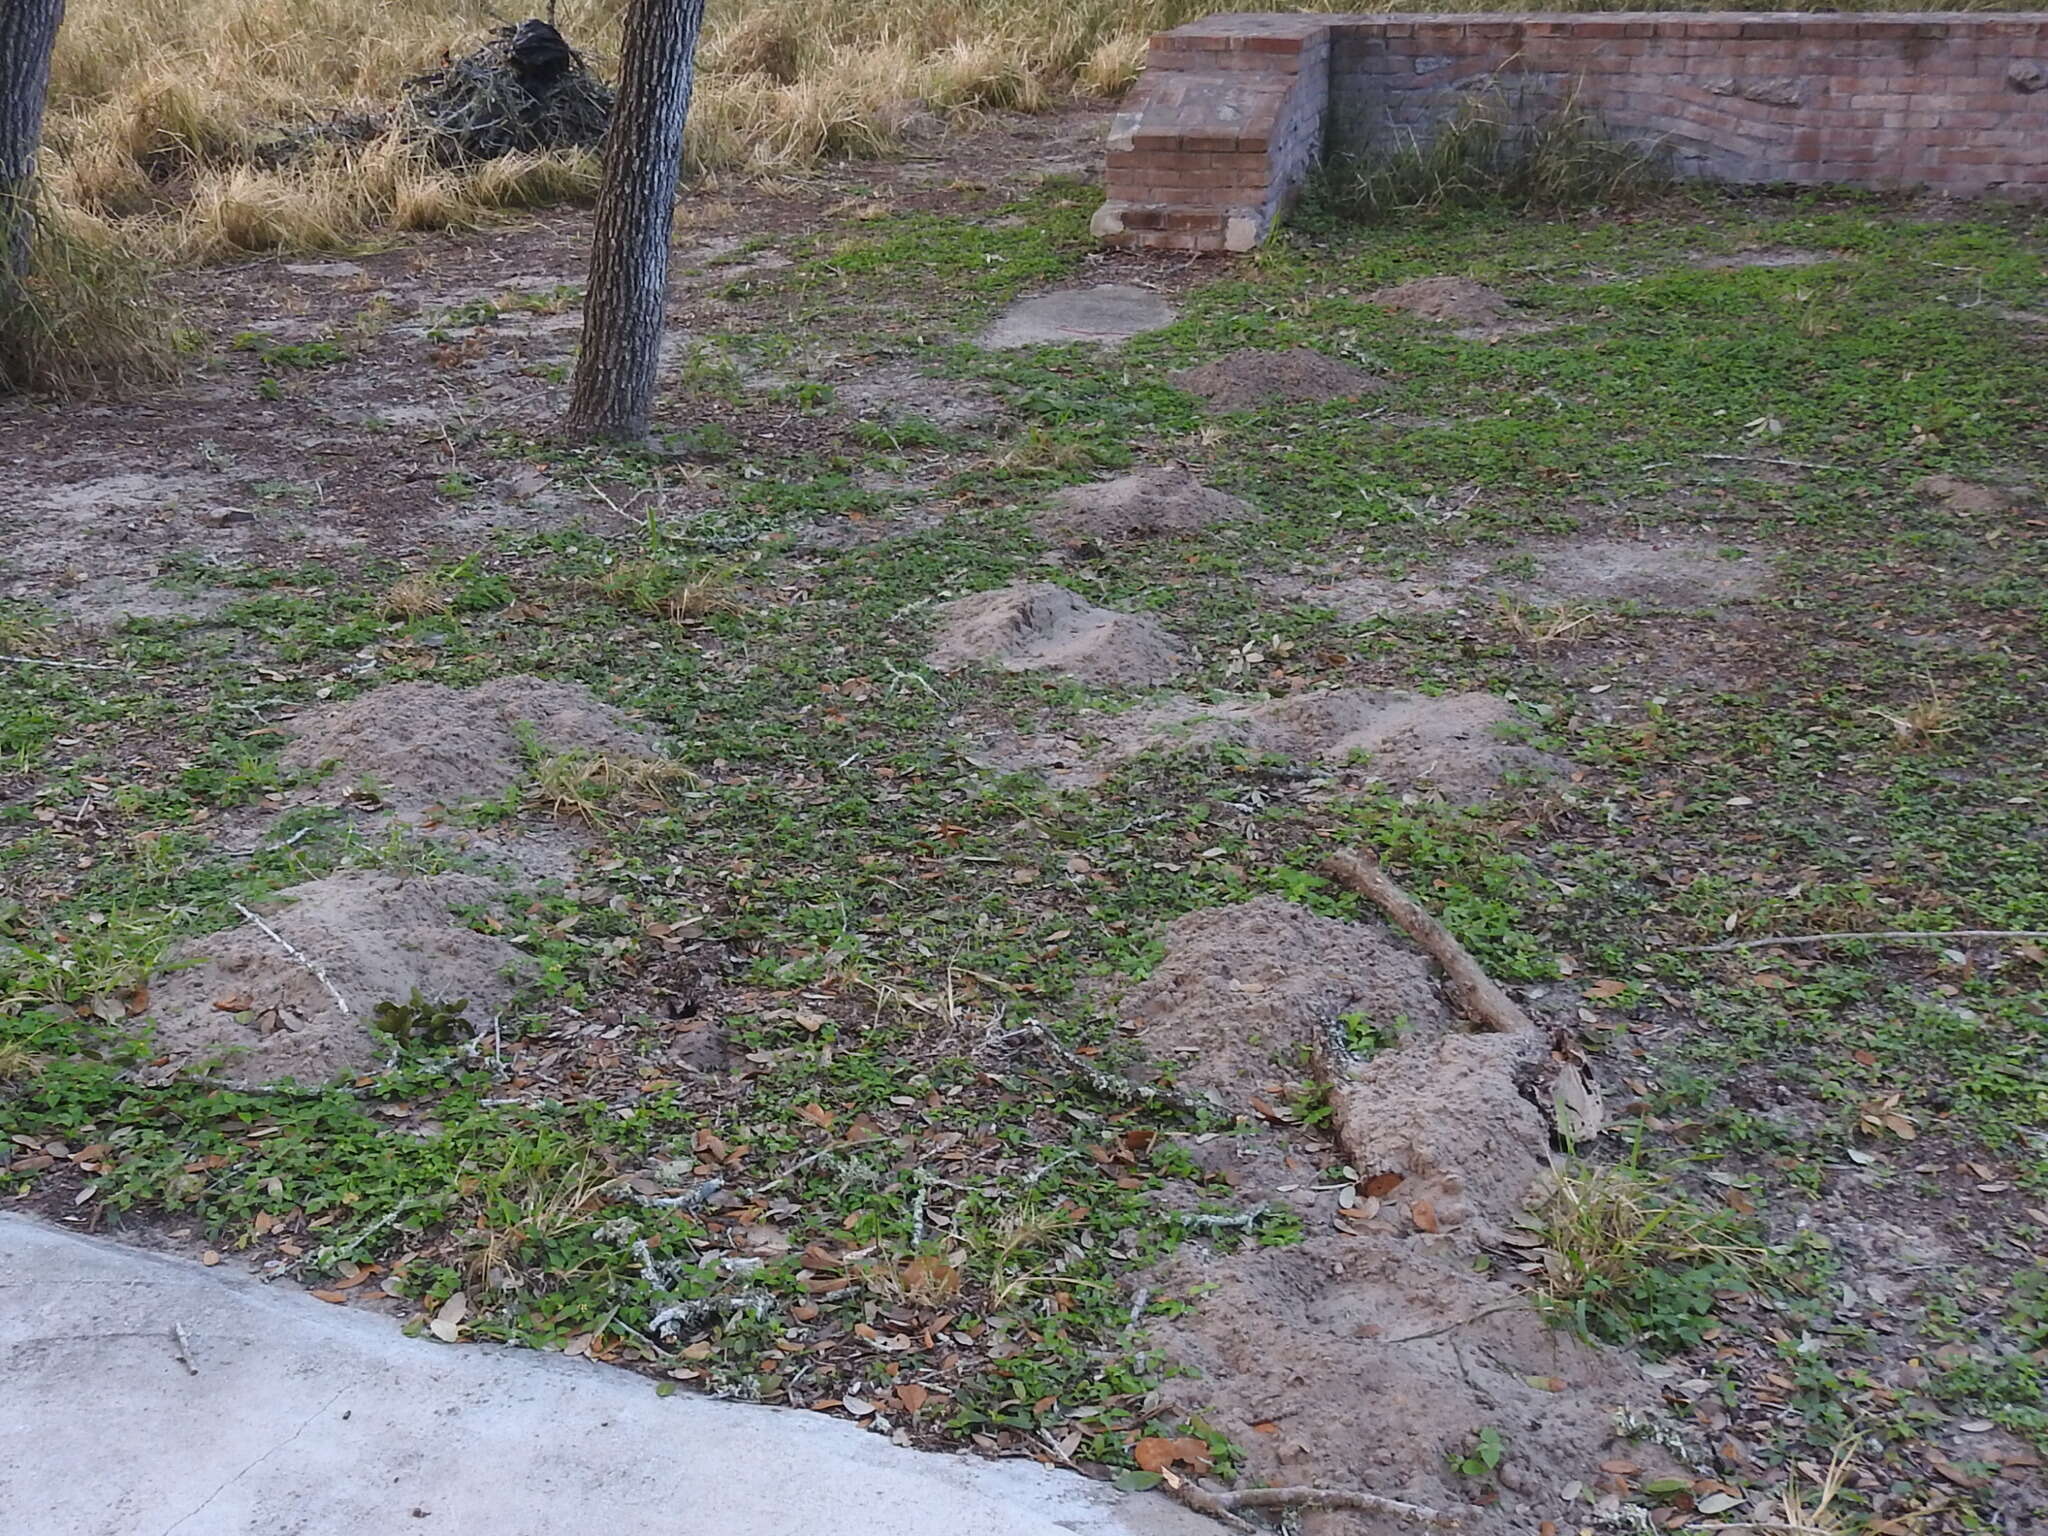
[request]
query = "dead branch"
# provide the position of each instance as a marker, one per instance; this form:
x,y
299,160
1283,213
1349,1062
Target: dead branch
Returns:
x,y
1476,994
1831,938
1224,1506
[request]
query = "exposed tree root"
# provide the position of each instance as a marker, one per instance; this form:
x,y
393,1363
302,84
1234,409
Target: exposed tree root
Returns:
x,y
1475,993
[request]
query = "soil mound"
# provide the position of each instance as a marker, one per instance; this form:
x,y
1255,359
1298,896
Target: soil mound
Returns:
x,y
1251,379
1151,501
424,744
1380,1352
1320,1340
1244,992
1966,497
375,939
1452,745
1041,627
1448,300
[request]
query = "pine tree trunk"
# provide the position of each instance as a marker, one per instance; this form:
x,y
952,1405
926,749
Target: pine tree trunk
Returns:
x,y
28,33
613,395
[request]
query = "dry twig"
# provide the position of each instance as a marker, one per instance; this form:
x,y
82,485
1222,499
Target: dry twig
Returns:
x,y
1476,993
1830,938
1224,1506
286,945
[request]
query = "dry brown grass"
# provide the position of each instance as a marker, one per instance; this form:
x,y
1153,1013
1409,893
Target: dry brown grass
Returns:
x,y
157,104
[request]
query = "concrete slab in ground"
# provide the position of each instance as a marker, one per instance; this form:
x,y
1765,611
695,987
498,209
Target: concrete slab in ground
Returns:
x,y
1110,313
304,1419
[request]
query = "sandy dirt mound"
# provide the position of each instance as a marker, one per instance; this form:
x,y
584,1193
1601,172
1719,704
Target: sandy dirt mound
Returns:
x,y
1244,992
1456,301
1040,627
1151,501
1452,745
1968,498
1252,379
424,744
1364,1359
1656,572
376,938
1306,1358
1449,1118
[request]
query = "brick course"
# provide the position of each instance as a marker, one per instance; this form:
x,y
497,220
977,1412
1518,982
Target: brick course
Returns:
x,y
1234,112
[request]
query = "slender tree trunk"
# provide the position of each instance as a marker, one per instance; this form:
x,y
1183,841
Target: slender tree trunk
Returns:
x,y
28,33
613,395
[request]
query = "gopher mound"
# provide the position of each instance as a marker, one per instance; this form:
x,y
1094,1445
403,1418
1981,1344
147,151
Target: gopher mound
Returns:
x,y
1040,627
1368,1358
1309,1357
1451,745
422,744
1151,501
268,1014
1252,379
1243,991
1448,301
1967,498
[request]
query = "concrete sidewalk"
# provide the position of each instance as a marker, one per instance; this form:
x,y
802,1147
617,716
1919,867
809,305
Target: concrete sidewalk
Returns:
x,y
312,1420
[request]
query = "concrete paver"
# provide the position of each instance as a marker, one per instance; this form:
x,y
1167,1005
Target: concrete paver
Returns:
x,y
298,1418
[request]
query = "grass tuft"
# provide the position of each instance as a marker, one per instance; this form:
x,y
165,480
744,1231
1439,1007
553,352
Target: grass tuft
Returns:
x,y
84,321
1482,159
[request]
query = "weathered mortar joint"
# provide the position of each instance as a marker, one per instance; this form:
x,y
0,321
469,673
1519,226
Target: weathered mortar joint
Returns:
x,y
1234,113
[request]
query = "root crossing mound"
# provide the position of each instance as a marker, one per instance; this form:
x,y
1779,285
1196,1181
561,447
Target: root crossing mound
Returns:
x,y
1252,379
1041,627
1366,1358
1152,501
1453,745
424,744
375,938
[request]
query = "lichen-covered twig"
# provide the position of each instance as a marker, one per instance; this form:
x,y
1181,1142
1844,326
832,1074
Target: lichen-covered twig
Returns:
x,y
688,1316
1224,1506
1246,1219
690,1200
1111,1086
1838,938
286,945
1475,993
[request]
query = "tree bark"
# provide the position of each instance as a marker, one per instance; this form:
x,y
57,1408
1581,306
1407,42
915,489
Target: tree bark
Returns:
x,y
613,394
28,34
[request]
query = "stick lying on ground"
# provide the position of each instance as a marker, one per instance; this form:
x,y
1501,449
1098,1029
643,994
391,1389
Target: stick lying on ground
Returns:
x,y
1476,993
1224,1506
1842,938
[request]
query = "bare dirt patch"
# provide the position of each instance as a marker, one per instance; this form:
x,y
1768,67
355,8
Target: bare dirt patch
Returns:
x,y
1661,571
1453,745
1150,501
1041,627
1368,1357
1252,379
421,744
1475,311
900,391
375,938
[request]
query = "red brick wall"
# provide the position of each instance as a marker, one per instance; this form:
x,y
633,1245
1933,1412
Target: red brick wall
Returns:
x,y
1233,112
